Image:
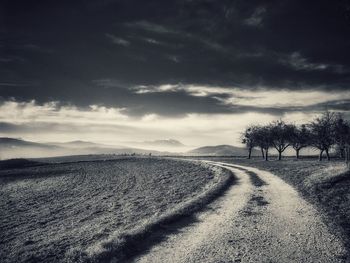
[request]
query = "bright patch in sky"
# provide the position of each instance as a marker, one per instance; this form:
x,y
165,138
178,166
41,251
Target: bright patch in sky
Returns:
x,y
52,122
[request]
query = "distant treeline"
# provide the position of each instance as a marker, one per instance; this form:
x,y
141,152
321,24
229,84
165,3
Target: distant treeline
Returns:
x,y
323,133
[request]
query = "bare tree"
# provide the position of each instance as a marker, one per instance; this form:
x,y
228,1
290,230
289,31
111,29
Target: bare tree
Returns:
x,y
281,134
322,133
249,138
255,136
300,138
263,140
341,132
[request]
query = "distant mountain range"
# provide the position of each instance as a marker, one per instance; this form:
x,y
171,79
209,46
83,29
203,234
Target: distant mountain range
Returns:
x,y
15,148
221,150
170,145
18,148
81,144
166,143
12,143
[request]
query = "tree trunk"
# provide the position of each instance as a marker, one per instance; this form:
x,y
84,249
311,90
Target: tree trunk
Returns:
x,y
321,155
262,152
297,153
328,157
249,153
347,156
266,154
279,155
342,152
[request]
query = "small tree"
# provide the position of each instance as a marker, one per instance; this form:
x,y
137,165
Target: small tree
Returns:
x,y
347,153
249,139
300,138
322,133
341,132
263,140
281,134
259,139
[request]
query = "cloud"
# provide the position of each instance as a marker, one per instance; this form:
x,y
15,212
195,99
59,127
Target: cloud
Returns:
x,y
256,19
54,122
152,41
148,26
50,122
9,59
16,84
19,112
298,62
254,98
109,83
301,63
150,117
118,40
179,34
173,58
202,44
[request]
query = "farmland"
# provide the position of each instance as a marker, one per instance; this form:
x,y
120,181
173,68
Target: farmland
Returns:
x,y
66,212
102,210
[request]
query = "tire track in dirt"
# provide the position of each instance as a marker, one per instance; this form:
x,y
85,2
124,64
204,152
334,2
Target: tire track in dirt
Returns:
x,y
259,219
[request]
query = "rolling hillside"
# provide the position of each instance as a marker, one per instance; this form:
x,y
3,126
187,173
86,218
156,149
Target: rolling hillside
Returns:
x,y
17,148
221,150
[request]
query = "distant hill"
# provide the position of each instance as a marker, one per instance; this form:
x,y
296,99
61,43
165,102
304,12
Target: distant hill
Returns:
x,y
221,150
162,144
167,142
80,144
17,148
14,143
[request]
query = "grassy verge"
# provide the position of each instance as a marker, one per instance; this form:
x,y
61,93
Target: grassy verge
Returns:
x,y
324,184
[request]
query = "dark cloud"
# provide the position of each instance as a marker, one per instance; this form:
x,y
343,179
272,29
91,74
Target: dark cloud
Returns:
x,y
335,105
95,52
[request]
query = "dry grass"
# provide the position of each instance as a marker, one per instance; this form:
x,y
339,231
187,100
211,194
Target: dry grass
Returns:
x,y
92,210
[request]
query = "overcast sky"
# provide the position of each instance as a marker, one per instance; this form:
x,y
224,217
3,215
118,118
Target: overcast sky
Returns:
x,y
194,70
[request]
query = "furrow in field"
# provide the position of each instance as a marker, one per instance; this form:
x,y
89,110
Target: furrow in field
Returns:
x,y
55,213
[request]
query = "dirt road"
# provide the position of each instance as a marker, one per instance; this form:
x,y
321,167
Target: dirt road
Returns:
x,y
259,219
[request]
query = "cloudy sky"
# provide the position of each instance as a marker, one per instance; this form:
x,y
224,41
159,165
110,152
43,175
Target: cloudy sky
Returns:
x,y
194,70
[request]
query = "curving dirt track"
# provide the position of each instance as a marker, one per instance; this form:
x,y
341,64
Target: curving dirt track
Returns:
x,y
259,219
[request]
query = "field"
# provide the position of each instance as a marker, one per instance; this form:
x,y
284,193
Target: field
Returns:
x,y
96,210
324,184
82,210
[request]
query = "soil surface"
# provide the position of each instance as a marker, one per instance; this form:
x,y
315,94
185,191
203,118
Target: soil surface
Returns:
x,y
259,219
52,213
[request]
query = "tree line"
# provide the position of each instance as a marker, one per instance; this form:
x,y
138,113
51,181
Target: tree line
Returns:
x,y
329,131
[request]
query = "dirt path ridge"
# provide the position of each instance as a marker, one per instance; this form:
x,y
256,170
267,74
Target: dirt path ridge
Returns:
x,y
259,219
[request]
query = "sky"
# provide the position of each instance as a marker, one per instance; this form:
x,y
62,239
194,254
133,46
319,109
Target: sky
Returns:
x,y
198,71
